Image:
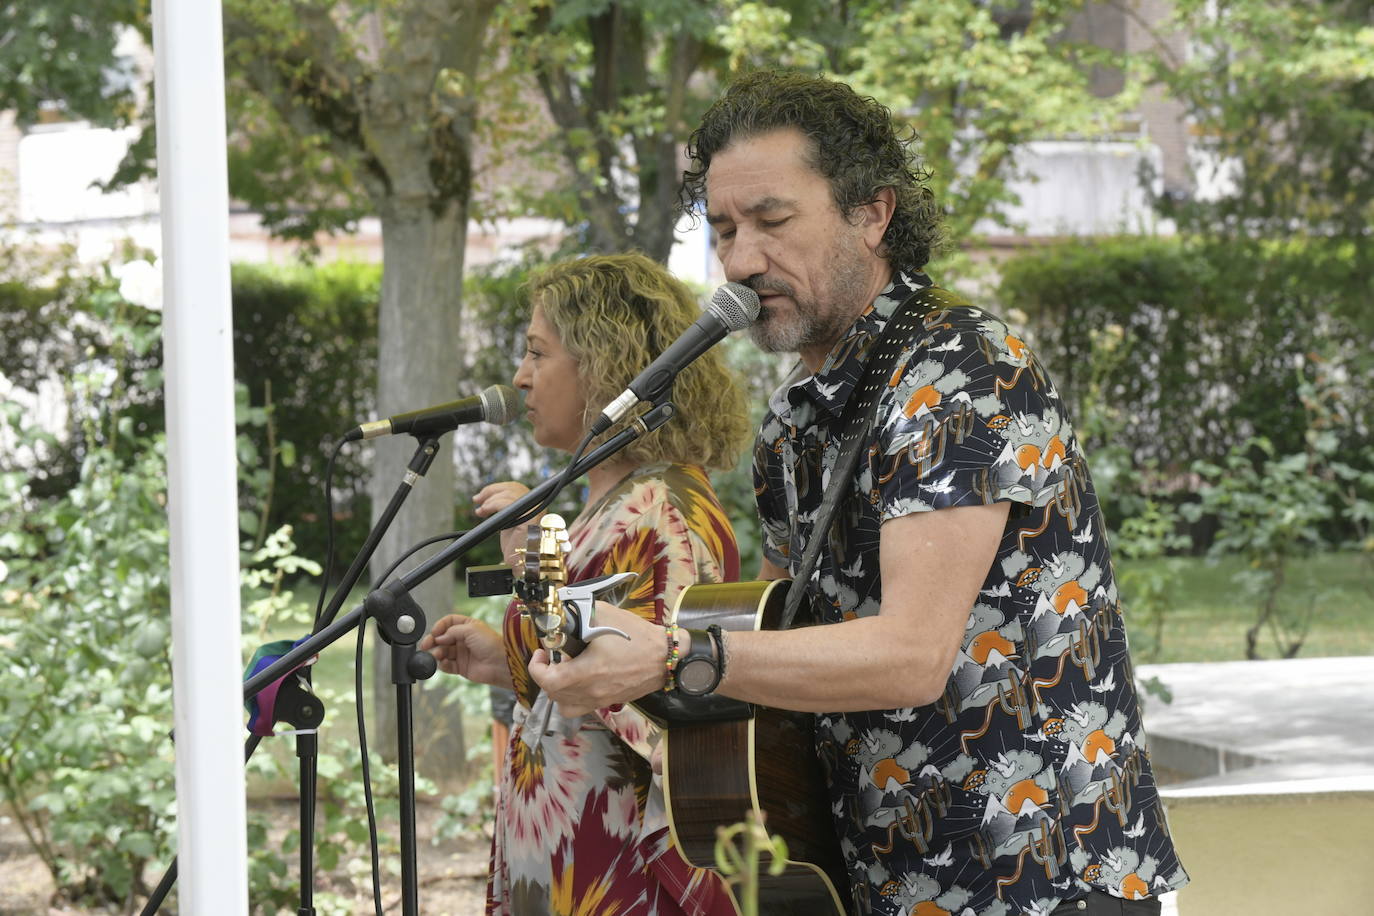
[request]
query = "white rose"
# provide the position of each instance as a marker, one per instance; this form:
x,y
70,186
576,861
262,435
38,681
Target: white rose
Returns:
x,y
140,282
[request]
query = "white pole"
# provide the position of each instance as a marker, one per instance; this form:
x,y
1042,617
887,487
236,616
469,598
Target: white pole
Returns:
x,y
202,500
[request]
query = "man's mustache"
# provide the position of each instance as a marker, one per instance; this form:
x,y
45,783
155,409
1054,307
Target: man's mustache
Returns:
x,y
764,284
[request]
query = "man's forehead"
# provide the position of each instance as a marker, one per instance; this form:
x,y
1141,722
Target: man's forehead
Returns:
x,y
766,171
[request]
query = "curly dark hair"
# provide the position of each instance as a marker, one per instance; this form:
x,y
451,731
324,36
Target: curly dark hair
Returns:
x,y
854,145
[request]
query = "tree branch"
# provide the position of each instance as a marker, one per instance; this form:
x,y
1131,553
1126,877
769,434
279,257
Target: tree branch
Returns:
x,y
602,206
659,199
307,99
1131,13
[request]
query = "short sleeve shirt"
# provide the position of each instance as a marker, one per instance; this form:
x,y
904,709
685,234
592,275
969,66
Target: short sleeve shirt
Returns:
x,y
1029,781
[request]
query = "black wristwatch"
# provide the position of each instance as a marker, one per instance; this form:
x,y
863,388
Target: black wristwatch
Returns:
x,y
698,670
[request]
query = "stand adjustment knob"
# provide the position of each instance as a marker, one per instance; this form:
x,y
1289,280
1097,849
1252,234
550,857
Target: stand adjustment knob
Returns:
x,y
421,666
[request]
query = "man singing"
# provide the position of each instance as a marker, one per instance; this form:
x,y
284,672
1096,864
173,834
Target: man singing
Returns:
x,y
970,670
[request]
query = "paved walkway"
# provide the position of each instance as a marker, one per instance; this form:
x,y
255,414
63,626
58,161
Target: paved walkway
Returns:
x,y
1300,725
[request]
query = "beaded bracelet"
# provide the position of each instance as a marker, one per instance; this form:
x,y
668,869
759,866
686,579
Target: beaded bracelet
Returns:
x,y
671,683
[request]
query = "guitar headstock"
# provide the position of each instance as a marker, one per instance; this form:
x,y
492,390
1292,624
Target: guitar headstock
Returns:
x,y
545,572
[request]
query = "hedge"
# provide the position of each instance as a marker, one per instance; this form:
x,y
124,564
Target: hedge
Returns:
x,y
1175,349
305,342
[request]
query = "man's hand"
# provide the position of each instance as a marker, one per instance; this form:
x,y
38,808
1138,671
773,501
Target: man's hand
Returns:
x,y
610,670
468,647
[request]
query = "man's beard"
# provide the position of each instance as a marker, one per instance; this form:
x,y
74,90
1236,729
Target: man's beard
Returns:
x,y
815,323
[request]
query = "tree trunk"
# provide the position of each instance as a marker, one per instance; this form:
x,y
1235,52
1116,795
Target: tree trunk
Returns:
x,y
418,365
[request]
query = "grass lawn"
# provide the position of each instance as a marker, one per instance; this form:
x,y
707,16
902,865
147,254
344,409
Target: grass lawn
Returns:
x,y
1208,617
333,680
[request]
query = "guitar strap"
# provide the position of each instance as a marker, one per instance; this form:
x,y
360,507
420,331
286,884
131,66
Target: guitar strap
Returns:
x,y
857,422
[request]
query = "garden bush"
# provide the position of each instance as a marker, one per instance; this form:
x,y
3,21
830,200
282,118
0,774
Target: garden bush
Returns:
x,y
1169,351
86,760
305,347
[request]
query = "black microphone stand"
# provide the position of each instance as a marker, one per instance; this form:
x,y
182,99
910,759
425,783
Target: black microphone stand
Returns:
x,y
295,691
401,622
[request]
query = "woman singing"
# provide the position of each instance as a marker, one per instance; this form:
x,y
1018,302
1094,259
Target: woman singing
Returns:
x,y
580,822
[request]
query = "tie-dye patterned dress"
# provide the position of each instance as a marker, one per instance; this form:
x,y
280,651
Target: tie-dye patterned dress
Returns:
x,y
580,824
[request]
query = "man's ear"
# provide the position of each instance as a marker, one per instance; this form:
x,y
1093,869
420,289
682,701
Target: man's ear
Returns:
x,y
874,216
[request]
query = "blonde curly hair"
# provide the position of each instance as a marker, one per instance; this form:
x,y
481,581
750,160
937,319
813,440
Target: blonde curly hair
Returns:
x,y
614,314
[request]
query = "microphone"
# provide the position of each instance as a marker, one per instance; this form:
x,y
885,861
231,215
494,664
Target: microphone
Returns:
x,y
497,404
733,307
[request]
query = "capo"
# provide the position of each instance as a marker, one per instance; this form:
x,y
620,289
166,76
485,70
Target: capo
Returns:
x,y
560,613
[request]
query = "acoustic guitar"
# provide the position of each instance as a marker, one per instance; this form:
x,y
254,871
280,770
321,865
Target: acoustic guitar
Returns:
x,y
723,759
718,771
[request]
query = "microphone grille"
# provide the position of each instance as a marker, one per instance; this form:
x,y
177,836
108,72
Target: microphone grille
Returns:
x,y
735,304
500,404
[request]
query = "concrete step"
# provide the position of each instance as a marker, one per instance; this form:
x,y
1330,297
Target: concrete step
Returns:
x,y
1267,771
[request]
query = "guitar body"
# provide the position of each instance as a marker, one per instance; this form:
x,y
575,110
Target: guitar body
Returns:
x,y
716,772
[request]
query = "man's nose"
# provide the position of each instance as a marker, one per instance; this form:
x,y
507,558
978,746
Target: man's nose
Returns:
x,y
745,257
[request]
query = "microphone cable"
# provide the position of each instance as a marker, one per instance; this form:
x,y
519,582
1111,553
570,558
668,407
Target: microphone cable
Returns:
x,y
358,701
329,531
358,686
374,854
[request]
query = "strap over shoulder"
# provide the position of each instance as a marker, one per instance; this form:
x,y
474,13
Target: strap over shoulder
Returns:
x,y
859,412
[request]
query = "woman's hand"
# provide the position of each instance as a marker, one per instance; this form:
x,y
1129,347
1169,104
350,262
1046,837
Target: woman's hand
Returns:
x,y
610,670
492,499
467,646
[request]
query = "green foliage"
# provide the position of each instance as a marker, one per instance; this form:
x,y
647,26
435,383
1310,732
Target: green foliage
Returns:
x,y
298,183
85,691
1274,509
618,80
269,605
1270,509
1168,350
1281,95
977,81
1209,617
67,333
1149,590
758,35
61,53
305,344
86,764
625,82
305,347
85,699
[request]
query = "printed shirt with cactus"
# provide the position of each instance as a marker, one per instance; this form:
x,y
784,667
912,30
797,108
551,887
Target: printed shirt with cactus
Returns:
x,y
1028,782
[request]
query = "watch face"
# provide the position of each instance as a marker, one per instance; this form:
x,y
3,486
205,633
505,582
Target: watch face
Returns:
x,y
695,676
